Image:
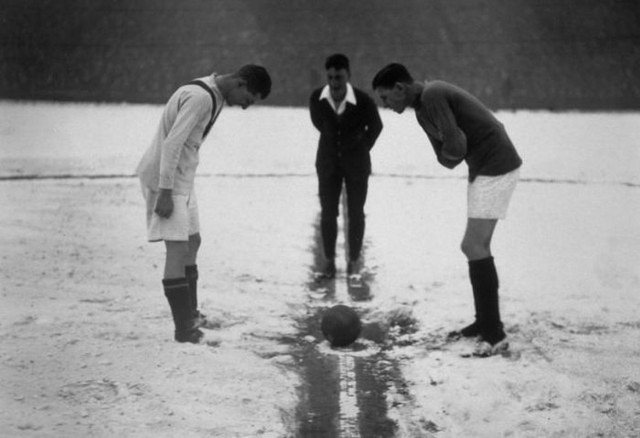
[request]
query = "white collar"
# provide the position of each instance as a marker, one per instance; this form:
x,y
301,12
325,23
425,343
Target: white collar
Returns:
x,y
350,98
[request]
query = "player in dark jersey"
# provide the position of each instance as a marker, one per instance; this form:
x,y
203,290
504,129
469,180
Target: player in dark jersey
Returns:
x,y
461,128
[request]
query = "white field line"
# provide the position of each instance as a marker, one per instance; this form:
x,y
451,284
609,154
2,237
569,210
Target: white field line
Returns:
x,y
348,425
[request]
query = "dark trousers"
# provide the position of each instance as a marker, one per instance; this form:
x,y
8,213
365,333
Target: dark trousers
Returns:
x,y
330,188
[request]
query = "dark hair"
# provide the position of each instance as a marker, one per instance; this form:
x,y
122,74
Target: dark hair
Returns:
x,y
258,79
391,75
337,61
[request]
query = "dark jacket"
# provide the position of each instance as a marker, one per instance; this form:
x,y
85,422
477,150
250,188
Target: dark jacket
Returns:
x,y
346,139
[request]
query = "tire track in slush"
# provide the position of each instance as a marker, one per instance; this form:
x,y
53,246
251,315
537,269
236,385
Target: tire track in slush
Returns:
x,y
345,390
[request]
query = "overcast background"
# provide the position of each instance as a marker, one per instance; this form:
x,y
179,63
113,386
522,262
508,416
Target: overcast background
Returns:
x,y
513,54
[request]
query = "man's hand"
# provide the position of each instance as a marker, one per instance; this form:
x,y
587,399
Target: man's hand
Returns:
x,y
164,204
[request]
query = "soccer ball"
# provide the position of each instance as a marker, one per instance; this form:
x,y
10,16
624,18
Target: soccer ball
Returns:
x,y
341,325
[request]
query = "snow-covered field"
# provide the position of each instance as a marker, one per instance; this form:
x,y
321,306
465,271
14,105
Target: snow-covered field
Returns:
x,y
86,332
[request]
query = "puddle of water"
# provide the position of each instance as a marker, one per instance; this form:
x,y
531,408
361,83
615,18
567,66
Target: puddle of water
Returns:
x,y
344,394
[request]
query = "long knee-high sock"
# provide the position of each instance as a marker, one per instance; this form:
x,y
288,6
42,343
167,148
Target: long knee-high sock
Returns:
x,y
177,292
191,272
485,284
329,229
473,329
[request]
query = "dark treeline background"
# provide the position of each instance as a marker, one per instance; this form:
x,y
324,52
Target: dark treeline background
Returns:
x,y
536,54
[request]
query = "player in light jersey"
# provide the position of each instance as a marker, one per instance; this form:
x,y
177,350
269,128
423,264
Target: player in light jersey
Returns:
x,y
167,171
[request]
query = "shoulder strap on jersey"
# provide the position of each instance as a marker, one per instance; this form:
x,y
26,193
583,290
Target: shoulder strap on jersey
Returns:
x,y
214,107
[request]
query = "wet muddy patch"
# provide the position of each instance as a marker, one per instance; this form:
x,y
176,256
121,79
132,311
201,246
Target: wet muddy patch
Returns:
x,y
345,389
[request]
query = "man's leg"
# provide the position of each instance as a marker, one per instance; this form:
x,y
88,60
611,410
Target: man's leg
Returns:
x,y
176,258
195,240
476,245
191,270
357,187
175,284
176,289
329,188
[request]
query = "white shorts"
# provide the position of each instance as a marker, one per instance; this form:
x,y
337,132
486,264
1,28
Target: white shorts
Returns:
x,y
182,223
488,197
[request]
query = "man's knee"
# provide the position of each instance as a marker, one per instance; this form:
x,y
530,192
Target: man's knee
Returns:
x,y
476,243
177,249
474,249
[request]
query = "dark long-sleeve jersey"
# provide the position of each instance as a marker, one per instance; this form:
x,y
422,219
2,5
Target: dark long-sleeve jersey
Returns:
x,y
454,120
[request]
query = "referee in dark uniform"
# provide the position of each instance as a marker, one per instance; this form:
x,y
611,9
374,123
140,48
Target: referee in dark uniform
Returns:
x,y
349,125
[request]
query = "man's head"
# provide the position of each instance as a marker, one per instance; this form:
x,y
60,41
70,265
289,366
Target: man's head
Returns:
x,y
338,75
253,84
392,86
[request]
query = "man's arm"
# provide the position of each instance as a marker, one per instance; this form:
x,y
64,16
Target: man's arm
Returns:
x,y
189,114
373,121
314,111
164,203
437,147
191,111
454,141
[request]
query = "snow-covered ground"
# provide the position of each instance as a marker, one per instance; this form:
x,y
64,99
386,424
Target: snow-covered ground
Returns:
x,y
86,333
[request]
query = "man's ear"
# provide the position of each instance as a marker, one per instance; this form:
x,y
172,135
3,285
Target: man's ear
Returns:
x,y
242,82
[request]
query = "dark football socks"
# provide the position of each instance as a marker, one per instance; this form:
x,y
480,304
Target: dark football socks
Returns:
x,y
191,272
177,292
484,282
